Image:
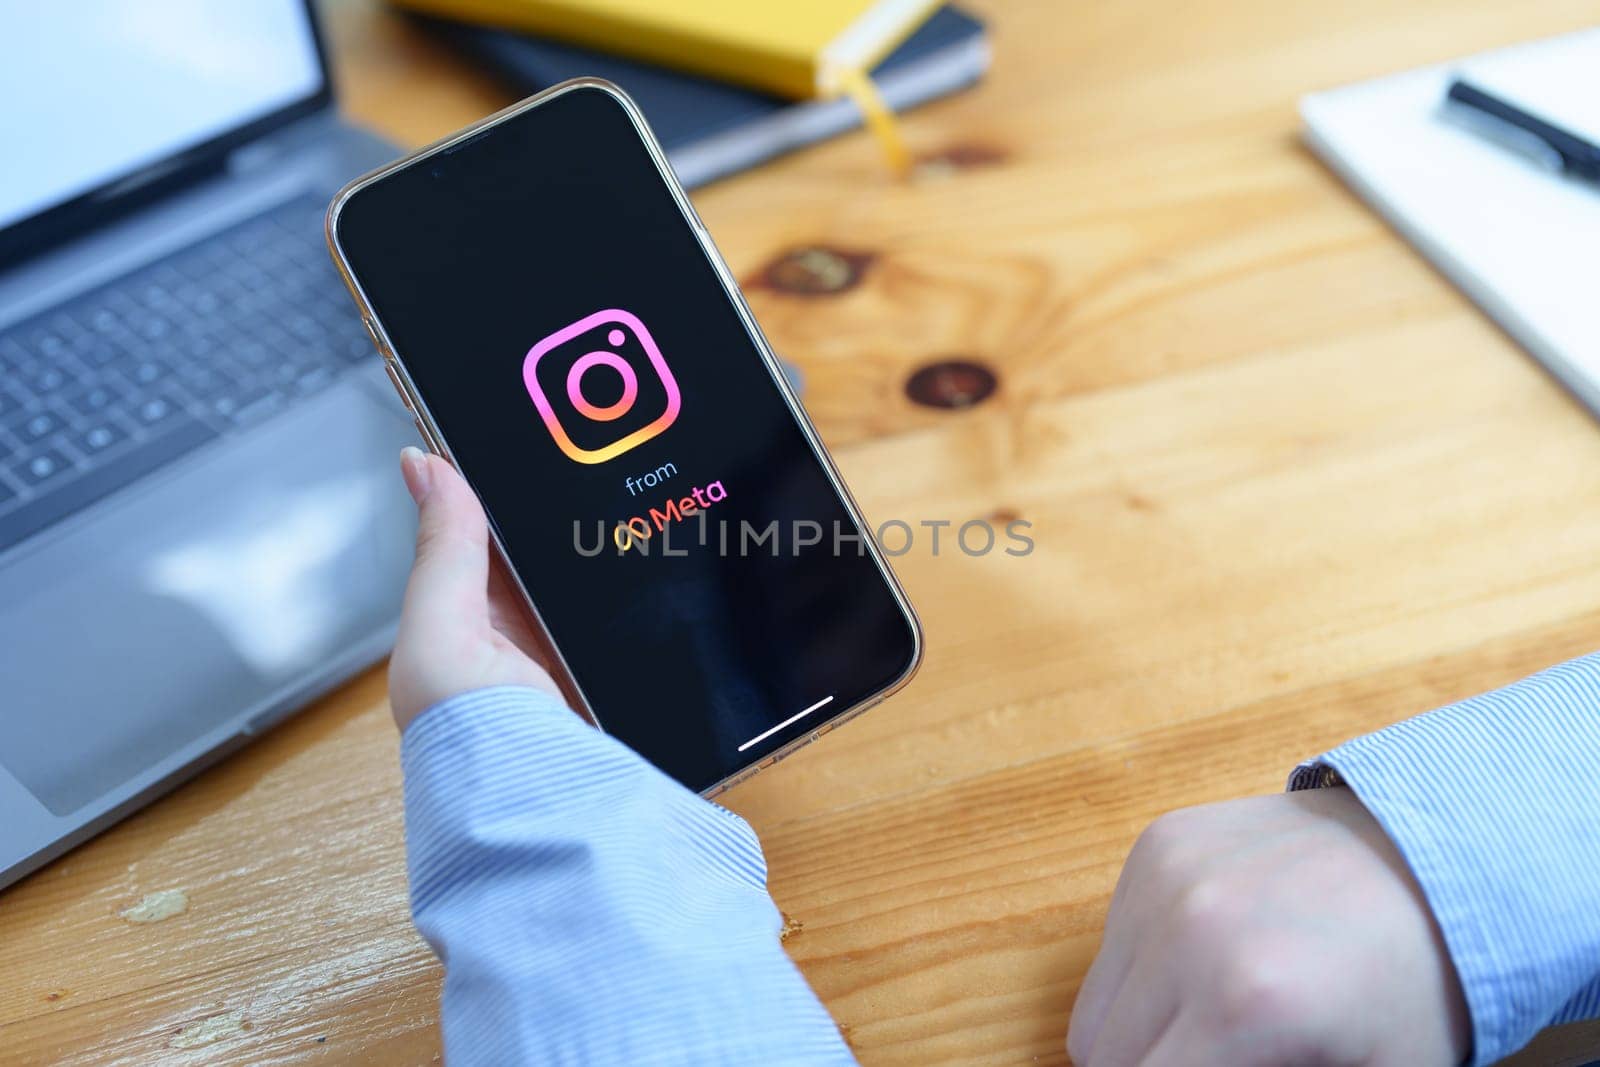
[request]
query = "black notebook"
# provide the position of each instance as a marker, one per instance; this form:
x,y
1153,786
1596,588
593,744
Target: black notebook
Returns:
x,y
710,128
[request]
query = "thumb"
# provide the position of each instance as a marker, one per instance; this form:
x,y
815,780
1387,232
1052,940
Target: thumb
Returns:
x,y
449,580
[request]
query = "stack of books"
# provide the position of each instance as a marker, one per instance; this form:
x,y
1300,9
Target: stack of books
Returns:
x,y
728,85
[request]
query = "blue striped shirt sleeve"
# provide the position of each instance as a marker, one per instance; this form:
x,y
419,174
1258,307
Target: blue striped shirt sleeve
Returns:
x,y
588,909
1495,804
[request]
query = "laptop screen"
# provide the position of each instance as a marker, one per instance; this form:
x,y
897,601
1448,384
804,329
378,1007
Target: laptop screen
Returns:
x,y
96,91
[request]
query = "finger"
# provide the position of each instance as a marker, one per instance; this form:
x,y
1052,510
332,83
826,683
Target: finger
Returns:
x,y
449,580
1193,1039
508,613
1140,1011
1180,1045
1097,993
1111,963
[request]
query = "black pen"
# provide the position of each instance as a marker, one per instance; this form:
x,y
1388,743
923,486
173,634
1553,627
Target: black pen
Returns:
x,y
1507,124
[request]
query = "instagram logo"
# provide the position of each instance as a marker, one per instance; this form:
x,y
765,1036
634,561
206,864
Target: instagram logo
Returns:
x,y
585,381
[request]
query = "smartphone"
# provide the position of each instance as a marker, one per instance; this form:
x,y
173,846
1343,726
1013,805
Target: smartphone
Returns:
x,y
554,314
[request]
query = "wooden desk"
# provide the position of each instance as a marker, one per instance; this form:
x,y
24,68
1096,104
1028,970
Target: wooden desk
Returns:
x,y
1286,486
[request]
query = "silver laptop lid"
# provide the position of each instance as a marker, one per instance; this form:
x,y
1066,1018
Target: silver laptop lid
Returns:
x,y
130,99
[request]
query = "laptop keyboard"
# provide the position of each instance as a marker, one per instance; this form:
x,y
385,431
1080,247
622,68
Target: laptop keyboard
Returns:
x,y
209,341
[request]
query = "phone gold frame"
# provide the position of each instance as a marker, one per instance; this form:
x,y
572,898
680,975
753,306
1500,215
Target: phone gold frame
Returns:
x,y
401,380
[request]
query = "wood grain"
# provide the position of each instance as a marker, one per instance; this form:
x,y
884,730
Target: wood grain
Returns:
x,y
1286,486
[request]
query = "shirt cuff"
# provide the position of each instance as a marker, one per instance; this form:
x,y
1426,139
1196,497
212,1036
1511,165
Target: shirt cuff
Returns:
x,y
484,752
1486,804
548,862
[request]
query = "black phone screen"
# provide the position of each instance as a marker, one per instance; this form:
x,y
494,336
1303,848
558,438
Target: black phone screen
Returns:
x,y
575,346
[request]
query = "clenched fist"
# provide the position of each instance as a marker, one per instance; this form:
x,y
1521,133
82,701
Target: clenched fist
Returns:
x,y
1278,931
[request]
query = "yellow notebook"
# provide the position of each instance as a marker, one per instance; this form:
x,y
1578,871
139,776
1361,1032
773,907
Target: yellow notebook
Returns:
x,y
794,48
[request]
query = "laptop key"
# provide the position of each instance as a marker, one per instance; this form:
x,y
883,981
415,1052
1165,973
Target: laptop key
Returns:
x,y
105,321
92,401
97,351
258,409
153,327
147,372
252,353
204,381
14,359
314,380
42,467
226,406
38,426
157,410
182,436
45,380
305,328
99,437
48,344
7,495
282,376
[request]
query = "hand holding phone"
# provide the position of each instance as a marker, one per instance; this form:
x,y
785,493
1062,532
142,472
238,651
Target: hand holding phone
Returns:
x,y
464,625
565,333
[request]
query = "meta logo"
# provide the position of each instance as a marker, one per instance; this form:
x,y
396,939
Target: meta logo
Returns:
x,y
601,386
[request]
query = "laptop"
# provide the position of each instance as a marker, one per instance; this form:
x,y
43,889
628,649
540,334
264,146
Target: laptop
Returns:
x,y
201,526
